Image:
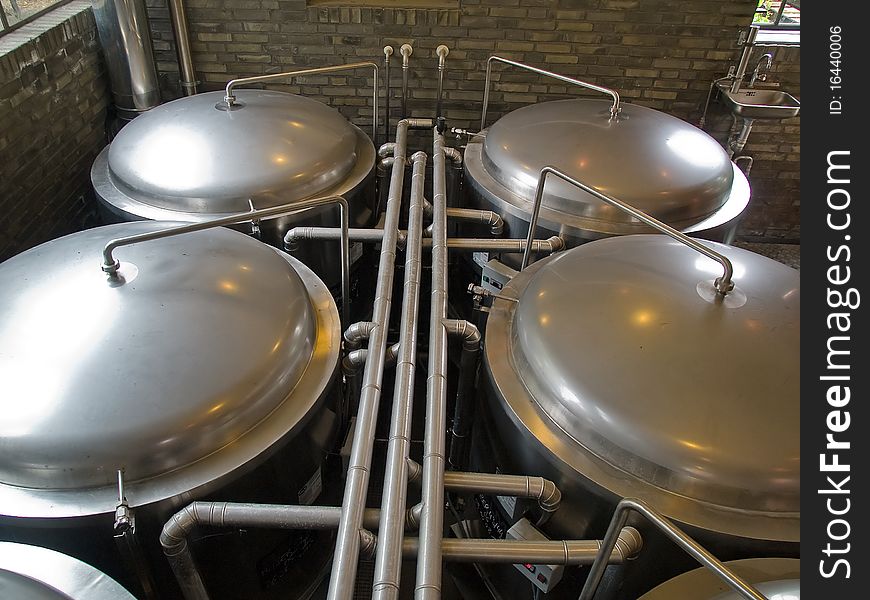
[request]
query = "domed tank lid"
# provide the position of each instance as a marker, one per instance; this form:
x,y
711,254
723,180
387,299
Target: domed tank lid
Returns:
x,y
194,155
34,573
776,578
625,346
205,337
653,161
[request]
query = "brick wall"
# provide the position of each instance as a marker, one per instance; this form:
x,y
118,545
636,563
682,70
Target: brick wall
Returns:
x,y
53,97
659,53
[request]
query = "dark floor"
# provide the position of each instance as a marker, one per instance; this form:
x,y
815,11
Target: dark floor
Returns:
x,y
788,254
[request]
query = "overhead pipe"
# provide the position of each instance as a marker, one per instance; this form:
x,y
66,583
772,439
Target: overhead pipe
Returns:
x,y
111,265
181,32
406,50
177,530
442,51
485,217
231,103
388,560
347,546
722,284
375,236
547,494
556,552
428,582
388,52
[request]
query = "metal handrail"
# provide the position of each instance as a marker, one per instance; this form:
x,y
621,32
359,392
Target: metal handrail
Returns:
x,y
677,535
722,284
614,109
111,265
230,99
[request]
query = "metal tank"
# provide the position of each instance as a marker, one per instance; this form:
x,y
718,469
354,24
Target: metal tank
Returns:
x,y
619,369
657,163
205,365
34,573
776,578
196,159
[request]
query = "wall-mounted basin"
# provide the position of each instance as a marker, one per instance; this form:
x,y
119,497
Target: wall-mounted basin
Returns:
x,y
761,104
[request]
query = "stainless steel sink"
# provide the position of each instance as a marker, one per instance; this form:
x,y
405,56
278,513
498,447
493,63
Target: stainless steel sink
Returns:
x,y
761,104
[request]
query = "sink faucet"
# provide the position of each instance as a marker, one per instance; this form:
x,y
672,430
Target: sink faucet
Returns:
x,y
767,60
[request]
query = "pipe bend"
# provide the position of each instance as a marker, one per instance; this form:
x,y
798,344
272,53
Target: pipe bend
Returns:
x,y
173,537
628,544
358,332
453,154
549,497
466,330
368,543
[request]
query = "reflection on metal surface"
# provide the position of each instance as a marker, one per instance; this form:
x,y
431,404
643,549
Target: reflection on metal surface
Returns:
x,y
645,385
31,573
776,578
104,366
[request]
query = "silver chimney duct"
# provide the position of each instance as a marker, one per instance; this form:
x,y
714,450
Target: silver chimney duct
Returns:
x,y
122,27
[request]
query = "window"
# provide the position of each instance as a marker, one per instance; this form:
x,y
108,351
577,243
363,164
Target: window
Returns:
x,y
776,14
15,13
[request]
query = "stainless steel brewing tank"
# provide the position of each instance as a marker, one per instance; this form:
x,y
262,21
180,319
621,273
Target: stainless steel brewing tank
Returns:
x,y
615,371
197,374
193,160
776,578
657,163
34,573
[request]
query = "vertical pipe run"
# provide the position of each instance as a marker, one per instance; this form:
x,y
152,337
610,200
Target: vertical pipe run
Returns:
x,y
388,560
406,51
181,31
428,586
347,545
388,52
464,409
442,51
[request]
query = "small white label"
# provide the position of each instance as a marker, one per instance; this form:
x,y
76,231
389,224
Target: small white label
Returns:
x,y
309,492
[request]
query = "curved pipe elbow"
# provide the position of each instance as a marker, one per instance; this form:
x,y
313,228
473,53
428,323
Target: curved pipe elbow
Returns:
x,y
358,333
453,154
466,330
628,544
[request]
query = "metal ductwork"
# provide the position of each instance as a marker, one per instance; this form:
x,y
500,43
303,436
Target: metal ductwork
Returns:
x,y
122,27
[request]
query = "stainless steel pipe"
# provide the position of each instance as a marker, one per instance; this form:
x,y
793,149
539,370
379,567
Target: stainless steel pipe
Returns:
x,y
557,552
406,50
690,546
722,284
375,236
388,52
428,583
111,266
346,559
125,37
474,215
442,51
614,108
181,31
177,530
388,560
230,99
